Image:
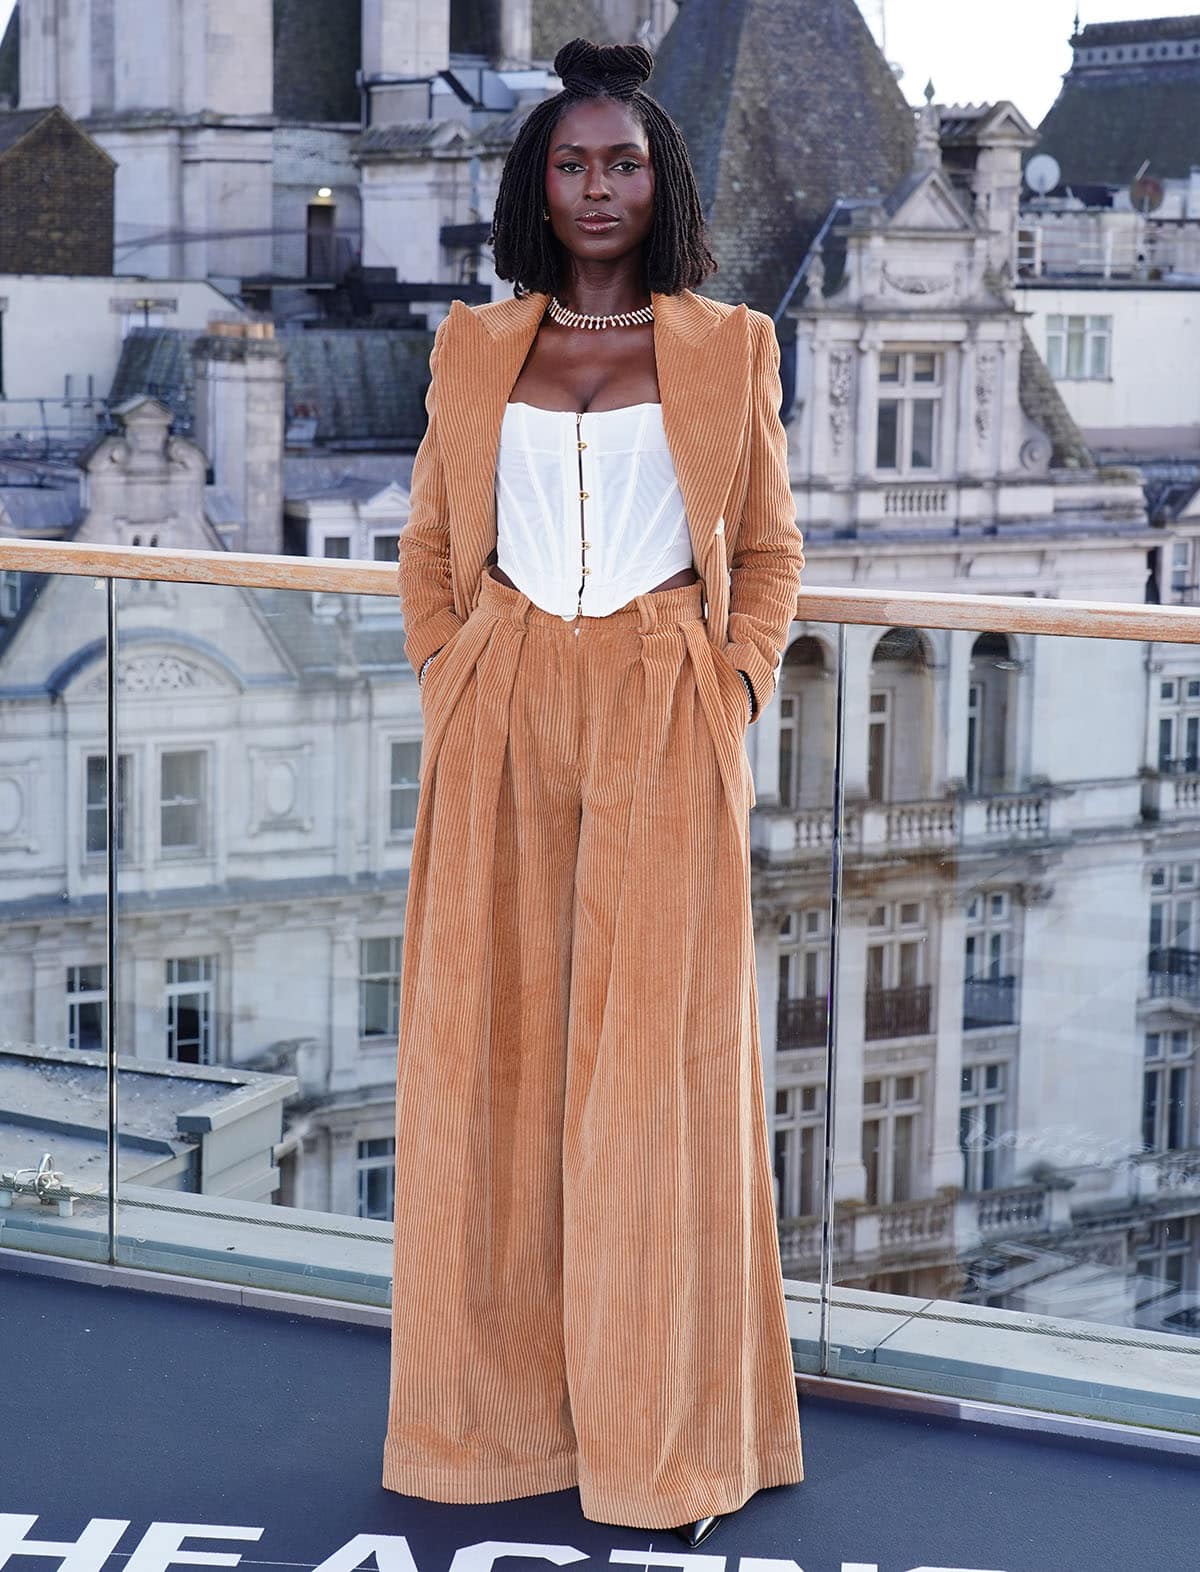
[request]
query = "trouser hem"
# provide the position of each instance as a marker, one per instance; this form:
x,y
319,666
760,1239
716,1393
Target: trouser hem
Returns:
x,y
476,1479
701,1500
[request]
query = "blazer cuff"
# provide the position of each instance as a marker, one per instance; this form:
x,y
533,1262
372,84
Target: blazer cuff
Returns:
x,y
429,635
762,676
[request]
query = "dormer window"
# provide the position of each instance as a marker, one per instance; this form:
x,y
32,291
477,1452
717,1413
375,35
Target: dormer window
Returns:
x,y
908,415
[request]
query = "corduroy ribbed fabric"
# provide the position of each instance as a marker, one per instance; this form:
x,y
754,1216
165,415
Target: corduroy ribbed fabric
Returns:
x,y
587,1283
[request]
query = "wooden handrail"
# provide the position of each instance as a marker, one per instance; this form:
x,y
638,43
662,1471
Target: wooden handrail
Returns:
x,y
874,608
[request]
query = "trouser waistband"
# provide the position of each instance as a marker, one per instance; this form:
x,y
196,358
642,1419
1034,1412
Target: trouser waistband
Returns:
x,y
683,603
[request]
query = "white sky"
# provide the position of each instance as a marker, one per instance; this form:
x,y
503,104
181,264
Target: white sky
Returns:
x,y
980,49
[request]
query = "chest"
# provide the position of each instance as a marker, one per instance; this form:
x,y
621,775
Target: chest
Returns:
x,y
578,369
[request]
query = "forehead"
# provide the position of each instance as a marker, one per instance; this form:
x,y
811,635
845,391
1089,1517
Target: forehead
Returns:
x,y
598,125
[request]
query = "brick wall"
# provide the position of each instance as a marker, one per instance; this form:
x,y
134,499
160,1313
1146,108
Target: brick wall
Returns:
x,y
56,195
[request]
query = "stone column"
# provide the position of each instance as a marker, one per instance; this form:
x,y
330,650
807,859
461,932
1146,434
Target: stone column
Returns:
x,y
945,1156
849,1172
343,1008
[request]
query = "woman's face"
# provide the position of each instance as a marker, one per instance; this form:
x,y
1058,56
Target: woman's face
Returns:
x,y
599,160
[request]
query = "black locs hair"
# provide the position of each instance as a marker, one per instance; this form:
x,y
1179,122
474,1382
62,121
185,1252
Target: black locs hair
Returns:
x,y
675,254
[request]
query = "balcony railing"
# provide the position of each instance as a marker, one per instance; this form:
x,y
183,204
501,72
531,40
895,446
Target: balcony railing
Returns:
x,y
1174,973
989,1001
1096,1225
898,1012
801,1023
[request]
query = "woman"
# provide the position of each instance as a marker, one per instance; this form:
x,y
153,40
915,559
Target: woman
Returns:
x,y
597,578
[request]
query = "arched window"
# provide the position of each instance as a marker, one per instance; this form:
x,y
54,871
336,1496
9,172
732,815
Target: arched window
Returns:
x,y
899,717
990,699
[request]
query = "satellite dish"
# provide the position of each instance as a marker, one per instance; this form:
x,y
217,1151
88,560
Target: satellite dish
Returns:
x,y
1042,173
1146,194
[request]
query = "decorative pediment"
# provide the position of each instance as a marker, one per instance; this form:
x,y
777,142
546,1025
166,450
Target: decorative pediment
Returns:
x,y
929,202
388,502
152,672
1004,122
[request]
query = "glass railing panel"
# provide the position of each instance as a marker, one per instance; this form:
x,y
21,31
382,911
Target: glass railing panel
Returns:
x,y
1017,1107
792,831
54,1078
271,741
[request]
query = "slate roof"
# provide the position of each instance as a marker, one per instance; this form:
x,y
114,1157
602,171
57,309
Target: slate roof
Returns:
x,y
786,105
39,510
1043,403
1109,118
556,21
317,52
365,387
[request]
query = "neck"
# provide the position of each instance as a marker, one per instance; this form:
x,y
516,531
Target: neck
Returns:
x,y
602,290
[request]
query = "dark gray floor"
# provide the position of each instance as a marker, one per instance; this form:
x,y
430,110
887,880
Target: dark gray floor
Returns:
x,y
128,1405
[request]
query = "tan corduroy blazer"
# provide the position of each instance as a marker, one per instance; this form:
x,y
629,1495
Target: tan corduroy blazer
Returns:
x,y
718,378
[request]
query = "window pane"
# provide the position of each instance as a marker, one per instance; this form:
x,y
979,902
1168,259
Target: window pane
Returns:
x,y
1075,347
925,367
337,546
922,433
886,446
889,368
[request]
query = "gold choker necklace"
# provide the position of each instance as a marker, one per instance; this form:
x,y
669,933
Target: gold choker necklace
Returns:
x,y
584,319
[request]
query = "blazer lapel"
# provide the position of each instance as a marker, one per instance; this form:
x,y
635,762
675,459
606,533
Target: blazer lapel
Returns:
x,y
703,364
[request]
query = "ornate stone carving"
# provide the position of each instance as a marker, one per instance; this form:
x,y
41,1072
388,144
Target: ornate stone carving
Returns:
x,y
155,673
986,364
915,283
841,381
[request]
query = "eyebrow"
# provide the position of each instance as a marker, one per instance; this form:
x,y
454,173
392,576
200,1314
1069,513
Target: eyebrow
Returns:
x,y
614,147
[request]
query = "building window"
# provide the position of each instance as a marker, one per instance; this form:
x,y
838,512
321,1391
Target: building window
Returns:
x,y
982,1120
797,1130
1183,577
10,584
86,998
337,546
385,548
1079,348
1167,1080
1174,960
191,1009
379,986
989,970
1164,1255
1179,725
181,800
802,1001
405,761
898,998
879,745
909,409
96,803
376,1169
891,1105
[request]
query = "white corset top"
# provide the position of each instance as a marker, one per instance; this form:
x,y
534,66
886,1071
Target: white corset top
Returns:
x,y
588,507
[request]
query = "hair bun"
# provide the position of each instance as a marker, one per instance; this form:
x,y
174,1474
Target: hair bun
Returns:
x,y
591,70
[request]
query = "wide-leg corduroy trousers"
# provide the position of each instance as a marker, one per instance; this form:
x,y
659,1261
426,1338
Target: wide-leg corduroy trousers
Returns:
x,y
587,1282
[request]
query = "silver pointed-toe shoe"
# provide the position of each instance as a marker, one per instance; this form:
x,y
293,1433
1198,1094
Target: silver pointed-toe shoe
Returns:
x,y
696,1533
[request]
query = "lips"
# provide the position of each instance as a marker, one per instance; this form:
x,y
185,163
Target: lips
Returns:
x,y
597,224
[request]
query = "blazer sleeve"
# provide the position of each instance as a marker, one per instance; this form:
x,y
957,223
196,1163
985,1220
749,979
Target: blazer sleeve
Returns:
x,y
768,555
423,547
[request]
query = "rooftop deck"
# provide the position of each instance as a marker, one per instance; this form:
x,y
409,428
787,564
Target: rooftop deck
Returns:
x,y
262,1431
